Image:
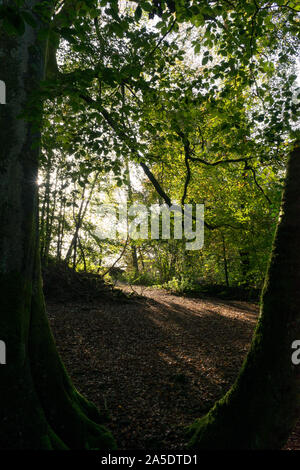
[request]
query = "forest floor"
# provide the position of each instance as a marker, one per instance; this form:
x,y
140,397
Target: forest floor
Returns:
x,y
156,361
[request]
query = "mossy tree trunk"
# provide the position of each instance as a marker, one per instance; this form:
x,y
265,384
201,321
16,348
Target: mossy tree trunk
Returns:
x,y
39,406
261,408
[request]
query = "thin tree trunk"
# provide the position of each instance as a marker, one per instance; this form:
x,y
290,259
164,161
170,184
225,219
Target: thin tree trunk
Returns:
x,y
51,216
42,223
61,222
46,210
82,254
135,262
141,258
225,260
245,261
79,220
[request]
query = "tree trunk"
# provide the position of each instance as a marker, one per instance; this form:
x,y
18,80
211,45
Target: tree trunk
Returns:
x,y
46,212
51,215
135,262
40,408
225,261
61,223
245,264
261,408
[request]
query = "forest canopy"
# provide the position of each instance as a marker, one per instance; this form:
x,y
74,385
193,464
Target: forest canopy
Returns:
x,y
205,99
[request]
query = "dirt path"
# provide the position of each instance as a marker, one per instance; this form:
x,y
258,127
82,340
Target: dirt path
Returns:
x,y
156,362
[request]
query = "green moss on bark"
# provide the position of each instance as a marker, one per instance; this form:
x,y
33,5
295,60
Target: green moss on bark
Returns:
x,y
261,408
39,406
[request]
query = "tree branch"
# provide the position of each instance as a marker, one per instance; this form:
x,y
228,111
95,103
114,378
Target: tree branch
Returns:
x,y
132,147
219,162
258,185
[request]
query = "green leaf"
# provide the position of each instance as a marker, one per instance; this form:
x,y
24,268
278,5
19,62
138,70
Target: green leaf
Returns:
x,y
138,13
197,48
12,20
29,19
146,6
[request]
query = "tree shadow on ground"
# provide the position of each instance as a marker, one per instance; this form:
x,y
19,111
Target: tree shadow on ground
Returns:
x,y
155,363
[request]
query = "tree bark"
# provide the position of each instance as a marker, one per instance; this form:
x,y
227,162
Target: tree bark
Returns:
x,y
261,408
135,262
39,406
225,260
